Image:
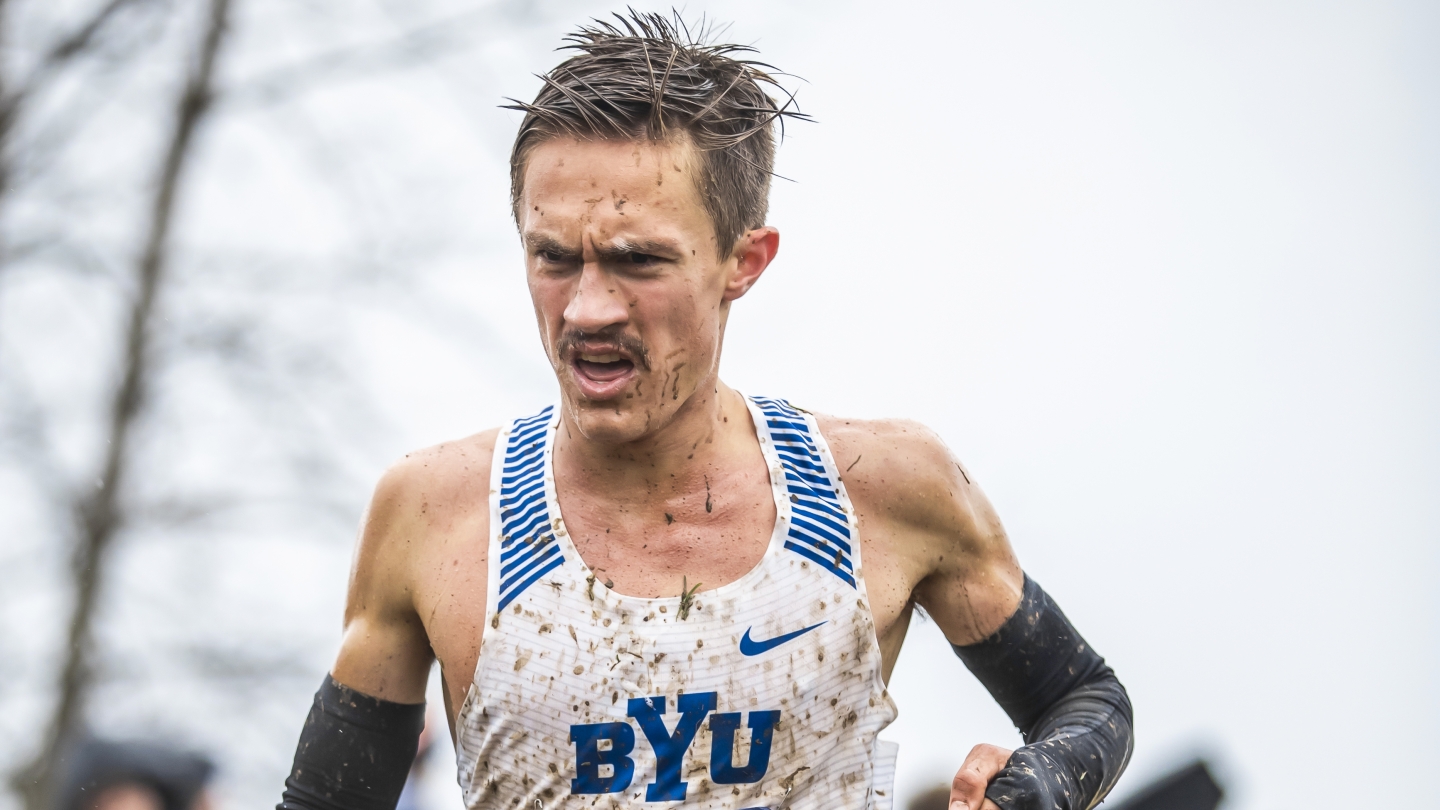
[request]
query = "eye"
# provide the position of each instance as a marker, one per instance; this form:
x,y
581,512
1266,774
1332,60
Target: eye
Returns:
x,y
643,258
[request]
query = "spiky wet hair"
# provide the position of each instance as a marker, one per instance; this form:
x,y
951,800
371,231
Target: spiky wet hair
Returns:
x,y
645,76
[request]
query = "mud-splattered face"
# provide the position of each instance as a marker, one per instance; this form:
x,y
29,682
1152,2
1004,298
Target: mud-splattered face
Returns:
x,y
629,289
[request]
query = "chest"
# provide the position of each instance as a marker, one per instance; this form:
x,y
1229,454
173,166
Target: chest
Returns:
x,y
659,547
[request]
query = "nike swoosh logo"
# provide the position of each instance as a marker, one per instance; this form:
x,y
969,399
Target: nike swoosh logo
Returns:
x,y
749,646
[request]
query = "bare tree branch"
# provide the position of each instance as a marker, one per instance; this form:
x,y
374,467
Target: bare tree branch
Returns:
x,y
83,36
416,45
15,94
242,313
63,51
25,431
99,514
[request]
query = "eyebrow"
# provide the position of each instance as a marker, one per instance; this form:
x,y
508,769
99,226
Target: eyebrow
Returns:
x,y
543,243
625,247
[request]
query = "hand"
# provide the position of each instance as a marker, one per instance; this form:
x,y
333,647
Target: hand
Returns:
x,y
967,790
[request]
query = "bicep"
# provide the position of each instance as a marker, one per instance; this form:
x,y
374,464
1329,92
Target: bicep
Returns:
x,y
384,652
974,581
386,660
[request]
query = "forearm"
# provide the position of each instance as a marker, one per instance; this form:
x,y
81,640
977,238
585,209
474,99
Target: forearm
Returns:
x,y
1072,711
354,752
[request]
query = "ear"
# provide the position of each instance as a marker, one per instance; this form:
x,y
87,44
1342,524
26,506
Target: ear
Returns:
x,y
754,251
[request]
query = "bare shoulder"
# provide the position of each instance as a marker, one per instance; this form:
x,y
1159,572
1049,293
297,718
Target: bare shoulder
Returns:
x,y
901,467
938,539
421,499
427,482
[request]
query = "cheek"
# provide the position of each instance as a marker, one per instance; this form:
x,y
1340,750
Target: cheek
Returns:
x,y
686,321
550,298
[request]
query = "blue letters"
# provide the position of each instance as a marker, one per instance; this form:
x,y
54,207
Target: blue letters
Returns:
x,y
722,747
670,748
589,757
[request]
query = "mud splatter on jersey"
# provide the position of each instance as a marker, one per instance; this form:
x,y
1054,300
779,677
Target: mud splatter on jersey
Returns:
x,y
764,693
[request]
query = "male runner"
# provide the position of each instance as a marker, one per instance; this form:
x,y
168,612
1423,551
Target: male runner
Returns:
x,y
661,590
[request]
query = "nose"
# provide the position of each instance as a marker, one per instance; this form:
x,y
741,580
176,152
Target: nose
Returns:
x,y
596,302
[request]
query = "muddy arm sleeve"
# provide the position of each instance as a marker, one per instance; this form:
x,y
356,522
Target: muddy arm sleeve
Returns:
x,y
354,753
1071,709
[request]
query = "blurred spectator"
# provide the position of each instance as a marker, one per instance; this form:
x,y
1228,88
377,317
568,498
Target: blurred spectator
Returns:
x,y
1189,787
936,798
113,775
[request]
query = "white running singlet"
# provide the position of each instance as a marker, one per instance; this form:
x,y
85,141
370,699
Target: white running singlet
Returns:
x,y
763,693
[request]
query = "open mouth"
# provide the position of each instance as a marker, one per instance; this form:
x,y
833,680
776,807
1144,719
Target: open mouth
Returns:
x,y
603,367
602,375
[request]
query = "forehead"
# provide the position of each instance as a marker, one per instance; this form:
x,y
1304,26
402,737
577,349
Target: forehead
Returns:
x,y
612,185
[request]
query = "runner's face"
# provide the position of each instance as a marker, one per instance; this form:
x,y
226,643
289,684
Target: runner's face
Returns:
x,y
629,290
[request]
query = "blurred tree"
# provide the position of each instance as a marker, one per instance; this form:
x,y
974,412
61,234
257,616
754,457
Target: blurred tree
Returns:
x,y
20,88
176,395
97,511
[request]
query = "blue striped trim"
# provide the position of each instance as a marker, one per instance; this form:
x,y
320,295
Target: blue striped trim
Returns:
x,y
828,564
797,460
524,493
511,572
821,527
508,598
528,550
819,530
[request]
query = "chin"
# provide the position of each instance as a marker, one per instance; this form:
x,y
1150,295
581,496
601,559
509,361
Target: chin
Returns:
x,y
613,421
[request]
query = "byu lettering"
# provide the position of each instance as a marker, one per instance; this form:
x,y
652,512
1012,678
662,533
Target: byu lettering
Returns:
x,y
589,757
609,745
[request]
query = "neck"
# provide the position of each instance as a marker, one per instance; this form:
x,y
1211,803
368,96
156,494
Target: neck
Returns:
x,y
712,424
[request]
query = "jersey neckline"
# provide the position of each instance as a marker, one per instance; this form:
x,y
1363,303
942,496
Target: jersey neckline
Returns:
x,y
773,468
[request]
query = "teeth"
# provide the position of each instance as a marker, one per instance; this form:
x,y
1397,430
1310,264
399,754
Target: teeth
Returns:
x,y
600,358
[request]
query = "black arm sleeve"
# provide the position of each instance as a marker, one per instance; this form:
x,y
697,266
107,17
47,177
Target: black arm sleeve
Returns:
x,y
354,752
1072,711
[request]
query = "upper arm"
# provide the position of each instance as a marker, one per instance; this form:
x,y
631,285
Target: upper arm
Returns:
x,y
943,531
384,652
